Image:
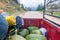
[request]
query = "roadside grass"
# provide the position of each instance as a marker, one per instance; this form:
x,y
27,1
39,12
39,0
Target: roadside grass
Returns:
x,y
54,13
57,13
15,12
12,12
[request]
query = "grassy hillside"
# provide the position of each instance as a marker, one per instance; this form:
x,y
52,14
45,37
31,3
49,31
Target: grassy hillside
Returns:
x,y
10,6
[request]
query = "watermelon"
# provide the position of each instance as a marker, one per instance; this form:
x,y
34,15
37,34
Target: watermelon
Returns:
x,y
24,32
31,28
36,32
15,37
35,37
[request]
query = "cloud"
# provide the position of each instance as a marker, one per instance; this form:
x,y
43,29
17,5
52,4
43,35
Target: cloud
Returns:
x,y
31,3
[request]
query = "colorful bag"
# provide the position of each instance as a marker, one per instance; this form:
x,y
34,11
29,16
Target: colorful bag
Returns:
x,y
11,20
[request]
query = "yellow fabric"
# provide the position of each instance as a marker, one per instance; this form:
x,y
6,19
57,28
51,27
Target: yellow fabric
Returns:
x,y
11,20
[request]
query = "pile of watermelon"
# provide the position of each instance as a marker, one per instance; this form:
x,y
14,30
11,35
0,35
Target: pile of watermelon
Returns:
x,y
24,32
35,37
30,33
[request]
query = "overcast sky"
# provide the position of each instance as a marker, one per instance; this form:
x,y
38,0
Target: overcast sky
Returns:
x,y
31,3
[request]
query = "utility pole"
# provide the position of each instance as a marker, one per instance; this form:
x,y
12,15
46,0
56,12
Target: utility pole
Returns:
x,y
44,8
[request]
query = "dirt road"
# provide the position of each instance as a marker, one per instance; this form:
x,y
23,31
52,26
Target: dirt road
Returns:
x,y
30,14
34,14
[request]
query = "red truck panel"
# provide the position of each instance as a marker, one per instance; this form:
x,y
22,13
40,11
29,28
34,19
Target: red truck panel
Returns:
x,y
53,31
31,22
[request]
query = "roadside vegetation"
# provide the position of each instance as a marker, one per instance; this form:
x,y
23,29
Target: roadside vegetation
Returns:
x,y
54,13
57,14
12,6
41,9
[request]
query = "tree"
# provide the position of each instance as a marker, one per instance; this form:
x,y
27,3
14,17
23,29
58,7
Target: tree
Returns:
x,y
40,8
27,9
16,1
22,6
54,6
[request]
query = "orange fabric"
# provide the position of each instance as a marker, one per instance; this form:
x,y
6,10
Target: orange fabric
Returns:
x,y
1,11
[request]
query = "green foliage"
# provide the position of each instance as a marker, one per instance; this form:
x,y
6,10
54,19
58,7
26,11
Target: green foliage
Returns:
x,y
27,9
17,7
40,8
54,6
11,6
57,14
54,13
22,6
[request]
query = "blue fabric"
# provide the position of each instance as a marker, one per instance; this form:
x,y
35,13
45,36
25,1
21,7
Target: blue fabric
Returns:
x,y
18,21
5,14
46,34
3,27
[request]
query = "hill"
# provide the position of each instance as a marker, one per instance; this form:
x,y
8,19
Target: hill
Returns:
x,y
10,6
